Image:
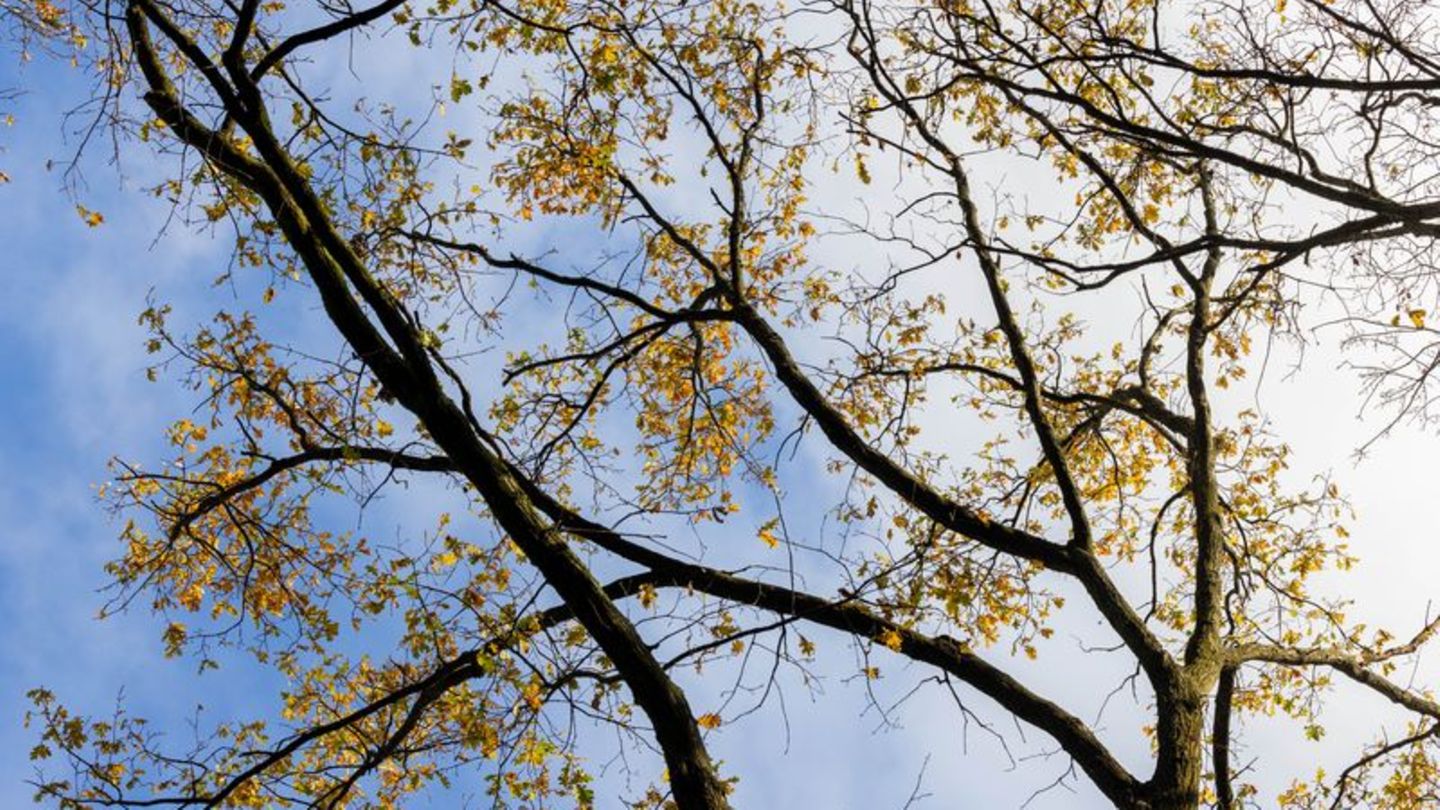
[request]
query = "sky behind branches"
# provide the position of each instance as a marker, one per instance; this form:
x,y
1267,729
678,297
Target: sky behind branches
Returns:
x,y
73,393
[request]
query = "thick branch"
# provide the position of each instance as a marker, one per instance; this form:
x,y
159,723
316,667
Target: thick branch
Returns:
x,y
334,268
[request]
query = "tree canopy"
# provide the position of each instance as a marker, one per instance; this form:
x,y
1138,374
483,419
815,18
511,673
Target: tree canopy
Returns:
x,y
758,344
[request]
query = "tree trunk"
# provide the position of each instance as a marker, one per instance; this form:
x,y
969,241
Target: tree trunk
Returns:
x,y
1181,752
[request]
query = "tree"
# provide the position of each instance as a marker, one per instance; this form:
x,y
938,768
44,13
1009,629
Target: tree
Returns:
x,y
1209,178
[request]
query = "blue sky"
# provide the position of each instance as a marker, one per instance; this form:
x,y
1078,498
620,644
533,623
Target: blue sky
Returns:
x,y
73,393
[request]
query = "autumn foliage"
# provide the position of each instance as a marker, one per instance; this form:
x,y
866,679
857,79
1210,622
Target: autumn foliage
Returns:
x,y
737,332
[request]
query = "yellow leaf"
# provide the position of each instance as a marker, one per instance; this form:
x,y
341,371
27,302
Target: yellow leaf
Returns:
x,y
1417,318
174,638
767,533
861,170
384,428
91,218
708,720
191,597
